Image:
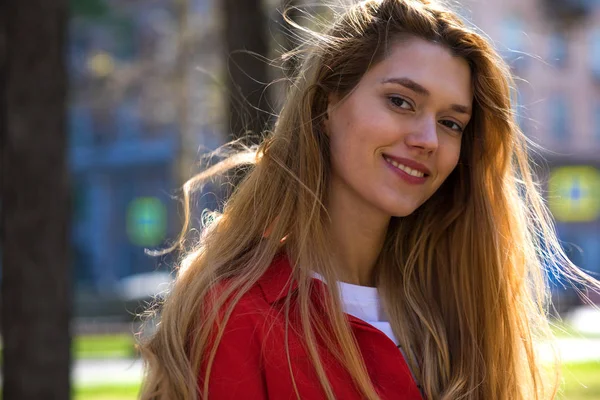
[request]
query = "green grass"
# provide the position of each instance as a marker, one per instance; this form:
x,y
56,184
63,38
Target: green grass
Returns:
x,y
101,346
104,346
107,392
581,381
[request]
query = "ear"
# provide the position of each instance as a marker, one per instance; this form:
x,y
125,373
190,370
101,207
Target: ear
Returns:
x,y
332,100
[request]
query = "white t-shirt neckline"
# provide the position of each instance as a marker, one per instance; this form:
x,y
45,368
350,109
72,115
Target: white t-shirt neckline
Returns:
x,y
363,302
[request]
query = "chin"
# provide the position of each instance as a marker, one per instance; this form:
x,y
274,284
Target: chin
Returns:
x,y
400,214
401,211
398,204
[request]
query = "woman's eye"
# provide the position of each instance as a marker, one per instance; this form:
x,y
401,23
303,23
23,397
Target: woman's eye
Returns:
x,y
452,125
400,103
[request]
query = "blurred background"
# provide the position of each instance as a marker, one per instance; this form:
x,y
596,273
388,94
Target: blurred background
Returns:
x,y
153,85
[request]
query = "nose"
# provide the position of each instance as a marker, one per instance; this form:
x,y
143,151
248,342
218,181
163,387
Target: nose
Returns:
x,y
423,135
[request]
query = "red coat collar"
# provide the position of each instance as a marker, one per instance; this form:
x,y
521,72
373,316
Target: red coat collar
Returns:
x,y
278,280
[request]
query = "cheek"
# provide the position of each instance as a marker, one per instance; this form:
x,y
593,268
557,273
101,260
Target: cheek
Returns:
x,y
450,158
347,137
356,130
350,154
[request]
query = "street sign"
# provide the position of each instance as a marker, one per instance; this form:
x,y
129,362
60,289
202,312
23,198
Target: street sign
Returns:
x,y
574,193
146,221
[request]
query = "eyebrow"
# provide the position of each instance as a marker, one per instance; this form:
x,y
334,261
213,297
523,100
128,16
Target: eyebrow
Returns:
x,y
420,89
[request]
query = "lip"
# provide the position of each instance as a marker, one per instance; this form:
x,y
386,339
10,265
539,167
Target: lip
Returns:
x,y
410,163
413,180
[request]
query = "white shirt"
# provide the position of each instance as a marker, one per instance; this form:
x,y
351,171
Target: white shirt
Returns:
x,y
363,303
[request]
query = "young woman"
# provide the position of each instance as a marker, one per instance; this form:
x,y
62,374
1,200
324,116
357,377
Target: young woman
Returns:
x,y
389,241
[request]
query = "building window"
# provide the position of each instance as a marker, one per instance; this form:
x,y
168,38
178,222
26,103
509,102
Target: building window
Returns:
x,y
128,119
558,49
513,42
80,125
558,117
103,121
596,120
595,52
520,109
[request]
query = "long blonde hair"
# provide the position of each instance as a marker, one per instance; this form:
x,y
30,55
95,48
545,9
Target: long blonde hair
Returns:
x,y
463,278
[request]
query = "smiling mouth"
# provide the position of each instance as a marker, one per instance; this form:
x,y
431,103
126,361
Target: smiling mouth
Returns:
x,y
406,169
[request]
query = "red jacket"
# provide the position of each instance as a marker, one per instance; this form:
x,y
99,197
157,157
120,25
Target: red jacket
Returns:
x,y
251,361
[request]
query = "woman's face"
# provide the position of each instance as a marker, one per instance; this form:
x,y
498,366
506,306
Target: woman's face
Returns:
x,y
396,137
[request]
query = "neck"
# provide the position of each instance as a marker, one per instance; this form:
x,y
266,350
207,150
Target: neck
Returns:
x,y
358,233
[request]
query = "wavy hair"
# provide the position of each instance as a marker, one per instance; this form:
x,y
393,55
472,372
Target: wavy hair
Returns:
x,y
462,279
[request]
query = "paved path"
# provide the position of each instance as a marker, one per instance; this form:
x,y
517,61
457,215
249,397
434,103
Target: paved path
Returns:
x,y
574,350
585,319
98,372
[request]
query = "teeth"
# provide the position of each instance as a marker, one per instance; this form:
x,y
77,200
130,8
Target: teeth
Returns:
x,y
406,169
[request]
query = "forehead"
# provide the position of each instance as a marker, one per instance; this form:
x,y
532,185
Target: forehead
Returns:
x,y
430,64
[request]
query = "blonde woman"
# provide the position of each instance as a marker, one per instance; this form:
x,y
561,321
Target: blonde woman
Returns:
x,y
387,242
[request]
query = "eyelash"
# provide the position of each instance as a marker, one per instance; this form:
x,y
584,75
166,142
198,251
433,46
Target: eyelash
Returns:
x,y
394,100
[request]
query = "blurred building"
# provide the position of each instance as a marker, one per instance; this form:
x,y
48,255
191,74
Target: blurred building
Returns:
x,y
553,47
145,101
131,123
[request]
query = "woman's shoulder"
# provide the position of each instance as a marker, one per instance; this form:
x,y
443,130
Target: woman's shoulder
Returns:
x,y
260,298
252,339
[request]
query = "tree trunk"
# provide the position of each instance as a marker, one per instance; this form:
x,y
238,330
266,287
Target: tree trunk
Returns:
x,y
35,200
246,44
